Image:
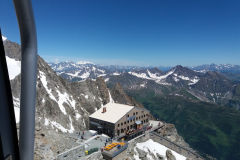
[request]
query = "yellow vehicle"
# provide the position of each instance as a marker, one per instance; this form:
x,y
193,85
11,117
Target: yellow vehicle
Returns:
x,y
112,145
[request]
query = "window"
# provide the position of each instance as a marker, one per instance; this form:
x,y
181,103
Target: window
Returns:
x,y
118,125
128,115
144,115
134,113
125,122
137,118
121,124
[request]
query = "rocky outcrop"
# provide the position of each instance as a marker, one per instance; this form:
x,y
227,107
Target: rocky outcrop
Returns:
x,y
160,157
170,132
12,50
104,92
142,154
169,155
121,97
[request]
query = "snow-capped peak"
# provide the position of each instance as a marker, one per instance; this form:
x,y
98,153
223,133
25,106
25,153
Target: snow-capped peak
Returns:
x,y
4,38
84,62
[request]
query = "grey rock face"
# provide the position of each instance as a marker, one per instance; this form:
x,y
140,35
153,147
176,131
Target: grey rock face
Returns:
x,y
120,96
62,102
12,50
142,154
169,155
169,131
160,157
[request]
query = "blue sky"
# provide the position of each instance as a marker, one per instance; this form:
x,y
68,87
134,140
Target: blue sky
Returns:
x,y
133,32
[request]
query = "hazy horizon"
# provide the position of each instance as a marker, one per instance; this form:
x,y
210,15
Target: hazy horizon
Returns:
x,y
76,60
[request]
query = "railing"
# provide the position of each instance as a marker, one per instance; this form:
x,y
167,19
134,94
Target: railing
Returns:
x,y
173,143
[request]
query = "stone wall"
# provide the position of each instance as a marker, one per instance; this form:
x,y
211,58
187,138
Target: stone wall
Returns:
x,y
73,154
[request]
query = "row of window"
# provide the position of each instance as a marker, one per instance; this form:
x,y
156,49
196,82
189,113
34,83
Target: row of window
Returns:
x,y
130,127
137,114
131,121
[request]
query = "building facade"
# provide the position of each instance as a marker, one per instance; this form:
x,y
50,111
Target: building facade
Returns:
x,y
118,120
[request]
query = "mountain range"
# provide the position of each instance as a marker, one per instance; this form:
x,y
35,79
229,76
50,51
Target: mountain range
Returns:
x,y
204,105
209,86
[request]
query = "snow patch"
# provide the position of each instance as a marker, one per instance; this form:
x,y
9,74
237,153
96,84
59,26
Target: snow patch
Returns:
x,y
158,79
104,135
155,148
139,75
116,74
53,124
65,98
44,82
165,76
46,122
73,75
83,62
78,116
85,75
58,126
92,131
101,75
16,103
62,98
110,97
4,38
143,85
100,70
14,67
192,80
71,126
17,114
175,79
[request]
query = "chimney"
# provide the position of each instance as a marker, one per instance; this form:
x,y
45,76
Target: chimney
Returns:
x,y
104,110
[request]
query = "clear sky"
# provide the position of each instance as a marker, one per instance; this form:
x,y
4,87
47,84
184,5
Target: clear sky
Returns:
x,y
133,32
